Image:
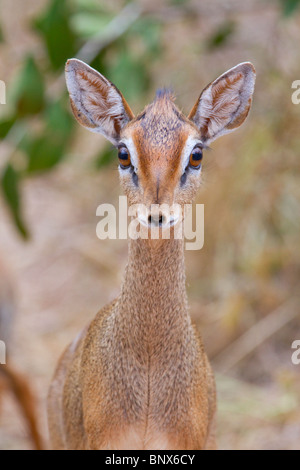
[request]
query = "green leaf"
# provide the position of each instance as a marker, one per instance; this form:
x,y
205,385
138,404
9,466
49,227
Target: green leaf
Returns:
x,y
59,39
106,157
28,92
59,121
289,6
5,126
42,153
47,149
130,74
89,24
221,35
10,187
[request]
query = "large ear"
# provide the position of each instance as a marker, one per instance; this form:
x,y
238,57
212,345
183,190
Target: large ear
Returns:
x,y
96,103
225,103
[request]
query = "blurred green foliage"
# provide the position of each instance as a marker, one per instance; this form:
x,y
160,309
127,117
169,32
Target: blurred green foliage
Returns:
x,y
38,123
29,93
221,35
5,125
289,6
104,157
10,186
64,27
54,27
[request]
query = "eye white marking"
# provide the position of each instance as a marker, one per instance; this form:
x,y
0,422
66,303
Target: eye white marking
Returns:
x,y
190,143
132,150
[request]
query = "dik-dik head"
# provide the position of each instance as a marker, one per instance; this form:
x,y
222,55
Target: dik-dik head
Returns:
x,y
160,150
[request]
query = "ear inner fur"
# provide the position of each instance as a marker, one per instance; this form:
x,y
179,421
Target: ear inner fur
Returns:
x,y
225,103
97,104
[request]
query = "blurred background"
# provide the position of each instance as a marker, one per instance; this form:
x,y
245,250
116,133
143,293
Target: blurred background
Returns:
x,y
55,274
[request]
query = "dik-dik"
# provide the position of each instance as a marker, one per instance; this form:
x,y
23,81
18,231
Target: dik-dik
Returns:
x,y
137,376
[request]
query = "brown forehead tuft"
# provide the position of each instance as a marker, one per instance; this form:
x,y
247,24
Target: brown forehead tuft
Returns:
x,y
163,110
164,94
161,119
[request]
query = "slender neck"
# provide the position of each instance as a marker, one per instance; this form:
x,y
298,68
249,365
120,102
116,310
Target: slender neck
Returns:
x,y
153,303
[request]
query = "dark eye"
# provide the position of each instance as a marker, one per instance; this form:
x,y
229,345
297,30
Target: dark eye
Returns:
x,y
196,158
124,158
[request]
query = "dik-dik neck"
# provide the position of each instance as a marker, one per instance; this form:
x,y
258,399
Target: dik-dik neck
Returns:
x,y
153,303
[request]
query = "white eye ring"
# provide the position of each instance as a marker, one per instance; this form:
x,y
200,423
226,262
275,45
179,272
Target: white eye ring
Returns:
x,y
191,144
129,145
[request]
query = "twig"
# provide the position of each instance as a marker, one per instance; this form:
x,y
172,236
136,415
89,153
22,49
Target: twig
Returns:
x,y
256,335
118,26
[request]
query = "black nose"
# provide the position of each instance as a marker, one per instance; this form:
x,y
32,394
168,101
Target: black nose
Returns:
x,y
157,220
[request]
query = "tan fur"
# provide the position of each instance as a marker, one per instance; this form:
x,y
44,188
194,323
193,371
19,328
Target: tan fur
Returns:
x,y
138,377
